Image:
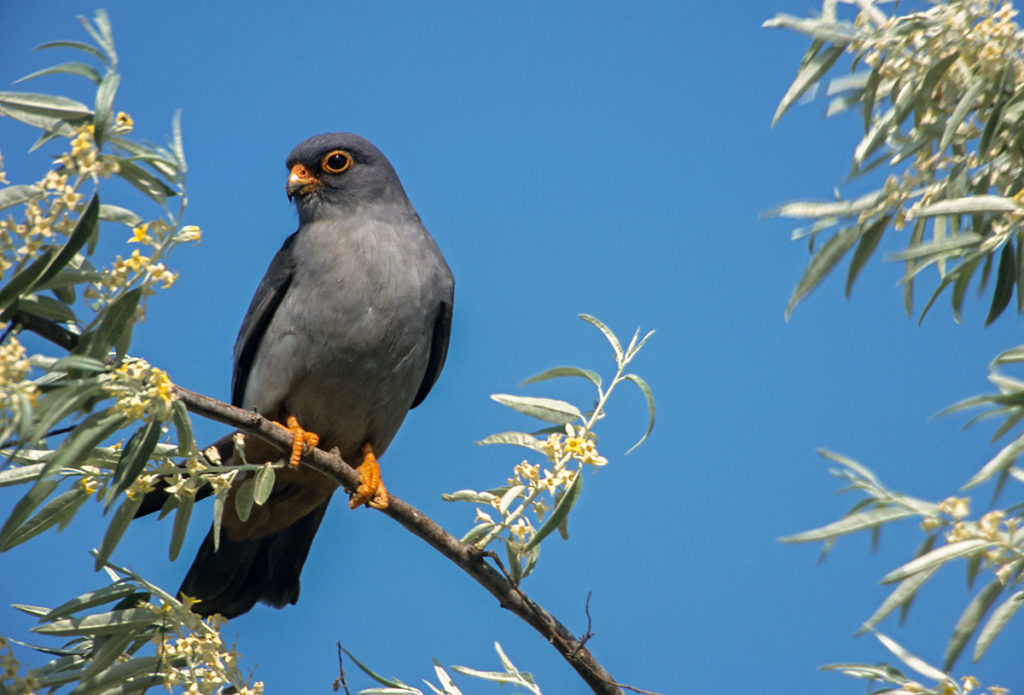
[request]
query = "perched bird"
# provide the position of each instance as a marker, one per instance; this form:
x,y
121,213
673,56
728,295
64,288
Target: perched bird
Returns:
x,y
346,333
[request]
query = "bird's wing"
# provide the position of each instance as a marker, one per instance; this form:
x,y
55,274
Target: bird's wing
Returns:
x,y
438,350
268,297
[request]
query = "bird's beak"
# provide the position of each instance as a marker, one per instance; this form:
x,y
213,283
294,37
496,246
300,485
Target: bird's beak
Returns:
x,y
300,182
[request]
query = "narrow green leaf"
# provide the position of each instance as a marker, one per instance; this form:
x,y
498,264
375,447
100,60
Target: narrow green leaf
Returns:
x,y
969,621
20,474
821,265
26,278
809,73
375,676
134,455
923,100
90,599
181,518
183,426
559,513
546,409
58,510
118,525
956,118
16,195
93,679
118,317
264,483
850,524
100,623
1006,280
995,115
900,596
996,622
86,228
219,502
80,69
608,334
963,273
103,121
649,397
45,307
24,508
918,664
1002,461
809,209
113,213
557,372
77,45
44,104
515,438
865,248
938,556
145,182
947,248
476,533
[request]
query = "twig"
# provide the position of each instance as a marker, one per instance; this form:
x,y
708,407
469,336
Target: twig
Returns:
x,y
340,681
468,558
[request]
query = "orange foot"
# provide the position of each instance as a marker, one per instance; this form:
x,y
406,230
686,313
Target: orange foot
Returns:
x,y
371,490
302,441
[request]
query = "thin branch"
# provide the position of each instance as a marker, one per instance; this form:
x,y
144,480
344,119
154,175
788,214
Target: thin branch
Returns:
x,y
471,560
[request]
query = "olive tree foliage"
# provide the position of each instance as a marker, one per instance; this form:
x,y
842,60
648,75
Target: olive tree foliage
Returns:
x,y
939,90
82,420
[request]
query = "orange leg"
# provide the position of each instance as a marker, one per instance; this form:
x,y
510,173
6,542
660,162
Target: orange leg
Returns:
x,y
302,441
371,490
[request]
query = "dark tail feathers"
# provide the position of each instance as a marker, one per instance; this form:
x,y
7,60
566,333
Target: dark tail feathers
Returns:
x,y
231,580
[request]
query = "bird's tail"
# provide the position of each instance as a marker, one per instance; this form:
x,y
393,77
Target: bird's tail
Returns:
x,y
233,578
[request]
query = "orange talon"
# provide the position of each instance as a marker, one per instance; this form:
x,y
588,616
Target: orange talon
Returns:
x,y
371,489
302,441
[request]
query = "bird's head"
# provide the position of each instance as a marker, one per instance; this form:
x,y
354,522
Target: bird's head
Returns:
x,y
336,172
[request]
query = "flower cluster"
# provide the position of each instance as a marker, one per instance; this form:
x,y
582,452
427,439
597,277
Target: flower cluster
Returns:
x,y
85,159
1000,530
902,52
531,483
141,391
51,213
194,657
125,272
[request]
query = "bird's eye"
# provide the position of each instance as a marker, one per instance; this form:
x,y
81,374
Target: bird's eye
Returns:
x,y
336,162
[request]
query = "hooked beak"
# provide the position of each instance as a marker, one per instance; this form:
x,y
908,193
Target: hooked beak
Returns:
x,y
300,182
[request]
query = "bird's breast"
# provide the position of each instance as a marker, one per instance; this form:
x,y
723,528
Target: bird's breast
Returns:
x,y
347,348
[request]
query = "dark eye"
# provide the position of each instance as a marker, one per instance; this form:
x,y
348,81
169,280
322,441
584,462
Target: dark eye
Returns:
x,y
336,162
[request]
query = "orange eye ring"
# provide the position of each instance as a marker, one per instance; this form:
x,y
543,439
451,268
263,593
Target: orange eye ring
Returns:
x,y
336,161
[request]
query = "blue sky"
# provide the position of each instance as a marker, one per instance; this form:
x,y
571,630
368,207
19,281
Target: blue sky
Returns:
x,y
598,157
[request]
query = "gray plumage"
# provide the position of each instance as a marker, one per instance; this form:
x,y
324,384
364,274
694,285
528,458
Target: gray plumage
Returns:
x,y
347,331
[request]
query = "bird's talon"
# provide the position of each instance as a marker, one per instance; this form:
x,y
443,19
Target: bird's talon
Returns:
x,y
371,490
302,441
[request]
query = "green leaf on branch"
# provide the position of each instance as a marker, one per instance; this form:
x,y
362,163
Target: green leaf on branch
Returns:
x,y
822,264
557,372
546,409
559,513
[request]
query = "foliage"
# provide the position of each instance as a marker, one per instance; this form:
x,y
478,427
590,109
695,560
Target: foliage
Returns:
x,y
392,686
940,93
567,447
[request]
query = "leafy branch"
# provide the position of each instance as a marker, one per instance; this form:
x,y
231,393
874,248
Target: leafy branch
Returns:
x,y
940,94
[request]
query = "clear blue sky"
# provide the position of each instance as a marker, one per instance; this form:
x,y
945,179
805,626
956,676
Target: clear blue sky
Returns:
x,y
599,157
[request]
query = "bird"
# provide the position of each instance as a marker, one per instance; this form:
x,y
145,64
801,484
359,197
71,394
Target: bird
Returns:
x,y
347,331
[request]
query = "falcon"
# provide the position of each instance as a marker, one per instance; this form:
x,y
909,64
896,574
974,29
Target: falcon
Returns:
x,y
346,333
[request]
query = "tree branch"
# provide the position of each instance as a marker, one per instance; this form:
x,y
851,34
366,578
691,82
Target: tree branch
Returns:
x,y
471,560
